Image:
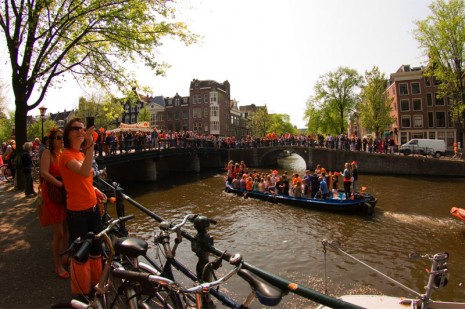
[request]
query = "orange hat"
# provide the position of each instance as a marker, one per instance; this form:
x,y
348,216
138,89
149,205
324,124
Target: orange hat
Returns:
x,y
354,163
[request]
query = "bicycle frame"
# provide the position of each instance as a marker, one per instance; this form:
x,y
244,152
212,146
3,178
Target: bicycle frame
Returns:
x,y
207,248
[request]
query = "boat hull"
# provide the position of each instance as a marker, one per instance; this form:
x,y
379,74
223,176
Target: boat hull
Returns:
x,y
362,202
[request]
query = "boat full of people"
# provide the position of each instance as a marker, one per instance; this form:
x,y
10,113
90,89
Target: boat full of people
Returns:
x,y
358,202
318,190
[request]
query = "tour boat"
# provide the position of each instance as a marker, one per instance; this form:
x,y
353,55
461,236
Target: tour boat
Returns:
x,y
359,202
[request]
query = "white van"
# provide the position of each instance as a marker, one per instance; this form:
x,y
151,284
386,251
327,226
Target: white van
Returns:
x,y
436,147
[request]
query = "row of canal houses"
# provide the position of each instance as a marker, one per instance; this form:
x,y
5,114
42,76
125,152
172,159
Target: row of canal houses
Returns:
x,y
207,110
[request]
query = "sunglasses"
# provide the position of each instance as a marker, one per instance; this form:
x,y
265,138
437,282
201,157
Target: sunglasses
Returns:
x,y
59,138
77,128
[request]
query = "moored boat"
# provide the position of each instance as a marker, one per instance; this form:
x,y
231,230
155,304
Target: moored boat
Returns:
x,y
360,202
437,279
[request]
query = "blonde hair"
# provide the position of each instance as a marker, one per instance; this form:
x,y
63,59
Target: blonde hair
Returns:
x,y
27,146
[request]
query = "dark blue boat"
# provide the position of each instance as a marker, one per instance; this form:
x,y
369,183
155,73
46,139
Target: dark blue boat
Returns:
x,y
361,202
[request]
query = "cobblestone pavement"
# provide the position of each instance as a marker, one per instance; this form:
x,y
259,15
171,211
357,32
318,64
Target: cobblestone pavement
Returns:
x,y
27,279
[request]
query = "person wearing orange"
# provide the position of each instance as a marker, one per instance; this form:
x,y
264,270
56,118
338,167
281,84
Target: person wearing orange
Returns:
x,y
54,214
83,214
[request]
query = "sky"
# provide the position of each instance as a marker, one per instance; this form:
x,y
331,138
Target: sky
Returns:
x,y
273,52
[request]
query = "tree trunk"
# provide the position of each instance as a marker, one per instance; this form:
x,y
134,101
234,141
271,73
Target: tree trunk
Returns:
x,y
20,137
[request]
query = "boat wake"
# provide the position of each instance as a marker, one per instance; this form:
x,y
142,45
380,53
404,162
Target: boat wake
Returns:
x,y
420,219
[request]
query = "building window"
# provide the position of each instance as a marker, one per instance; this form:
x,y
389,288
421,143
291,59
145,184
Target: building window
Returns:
x,y
185,114
404,105
403,89
439,101
197,113
176,115
432,135
133,119
405,122
427,81
430,120
416,104
169,116
205,127
214,111
429,99
215,125
205,98
450,101
213,97
415,88
133,109
205,112
440,119
177,102
417,121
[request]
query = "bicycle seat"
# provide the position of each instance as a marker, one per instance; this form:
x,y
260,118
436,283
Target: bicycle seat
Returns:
x,y
267,294
131,247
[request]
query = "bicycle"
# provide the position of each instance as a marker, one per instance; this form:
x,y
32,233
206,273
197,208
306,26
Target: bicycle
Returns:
x,y
107,291
199,290
5,173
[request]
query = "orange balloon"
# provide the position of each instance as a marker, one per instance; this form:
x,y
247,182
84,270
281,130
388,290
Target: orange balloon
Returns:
x,y
112,199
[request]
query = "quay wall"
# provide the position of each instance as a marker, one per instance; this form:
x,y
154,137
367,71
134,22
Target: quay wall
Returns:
x,y
152,166
387,164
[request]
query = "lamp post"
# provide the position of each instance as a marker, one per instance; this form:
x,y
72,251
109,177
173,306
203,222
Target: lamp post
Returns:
x,y
42,110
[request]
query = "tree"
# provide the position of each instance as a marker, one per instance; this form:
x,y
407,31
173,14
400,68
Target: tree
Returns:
x,y
335,96
104,107
375,107
281,124
260,121
441,36
144,115
89,40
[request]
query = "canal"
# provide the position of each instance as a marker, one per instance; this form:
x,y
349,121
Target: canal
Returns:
x,y
412,215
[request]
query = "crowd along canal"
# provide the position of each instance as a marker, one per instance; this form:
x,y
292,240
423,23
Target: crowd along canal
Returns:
x,y
412,215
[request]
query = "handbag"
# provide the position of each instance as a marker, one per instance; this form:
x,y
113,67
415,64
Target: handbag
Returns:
x,y
56,194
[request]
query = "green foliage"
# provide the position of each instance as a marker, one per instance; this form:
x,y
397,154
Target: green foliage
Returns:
x,y
441,36
336,94
260,121
6,128
35,129
90,40
375,107
281,124
103,107
143,115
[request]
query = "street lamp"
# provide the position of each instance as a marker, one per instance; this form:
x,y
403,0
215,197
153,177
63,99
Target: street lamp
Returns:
x,y
42,110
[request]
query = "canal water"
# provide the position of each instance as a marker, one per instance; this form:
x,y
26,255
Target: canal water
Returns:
x,y
412,215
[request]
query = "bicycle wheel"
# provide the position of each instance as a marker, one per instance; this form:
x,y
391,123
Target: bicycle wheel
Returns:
x,y
159,296
6,173
120,294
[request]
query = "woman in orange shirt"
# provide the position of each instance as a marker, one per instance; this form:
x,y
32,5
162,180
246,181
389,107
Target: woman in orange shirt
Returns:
x,y
81,201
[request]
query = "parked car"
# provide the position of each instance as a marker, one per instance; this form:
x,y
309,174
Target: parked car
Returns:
x,y
434,147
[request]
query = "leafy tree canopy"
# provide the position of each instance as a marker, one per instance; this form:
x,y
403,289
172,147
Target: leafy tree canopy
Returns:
x,y
441,36
91,40
336,94
375,107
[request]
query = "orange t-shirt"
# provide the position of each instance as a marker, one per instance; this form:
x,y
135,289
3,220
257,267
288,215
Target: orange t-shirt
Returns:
x,y
249,185
80,193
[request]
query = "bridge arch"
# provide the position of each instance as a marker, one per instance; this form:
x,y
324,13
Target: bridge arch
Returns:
x,y
270,156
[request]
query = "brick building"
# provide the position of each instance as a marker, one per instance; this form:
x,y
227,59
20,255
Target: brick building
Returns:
x,y
210,107
419,113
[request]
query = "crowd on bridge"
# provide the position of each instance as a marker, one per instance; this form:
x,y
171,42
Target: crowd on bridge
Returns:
x,y
111,143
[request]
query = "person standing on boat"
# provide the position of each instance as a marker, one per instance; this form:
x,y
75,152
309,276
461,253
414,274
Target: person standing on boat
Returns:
x,y
323,186
307,184
355,176
347,179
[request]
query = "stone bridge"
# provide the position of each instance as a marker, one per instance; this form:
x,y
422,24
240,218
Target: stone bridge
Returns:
x,y
156,164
